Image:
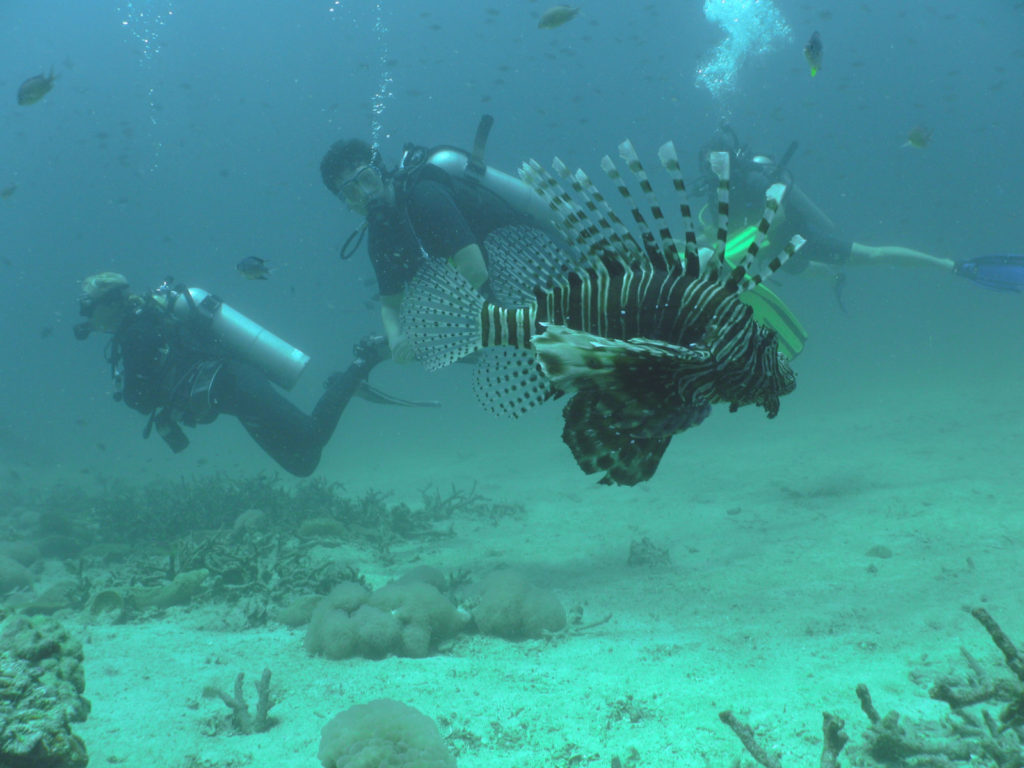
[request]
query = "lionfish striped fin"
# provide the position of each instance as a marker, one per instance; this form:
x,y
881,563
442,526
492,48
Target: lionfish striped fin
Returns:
x,y
599,233
569,218
646,235
720,167
543,183
773,266
670,160
773,199
521,259
656,251
615,234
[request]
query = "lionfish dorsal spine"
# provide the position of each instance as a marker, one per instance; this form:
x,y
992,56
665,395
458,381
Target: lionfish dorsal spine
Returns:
x,y
794,245
656,251
568,217
720,167
613,233
772,201
670,161
646,236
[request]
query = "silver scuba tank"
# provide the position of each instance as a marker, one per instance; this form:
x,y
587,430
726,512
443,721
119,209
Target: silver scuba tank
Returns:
x,y
280,361
515,192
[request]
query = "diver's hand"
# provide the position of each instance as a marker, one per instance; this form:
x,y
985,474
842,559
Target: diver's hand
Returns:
x,y
402,350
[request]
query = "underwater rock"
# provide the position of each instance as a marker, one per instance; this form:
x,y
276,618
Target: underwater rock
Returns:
x,y
13,575
41,684
322,527
178,592
107,607
25,552
56,597
383,733
250,521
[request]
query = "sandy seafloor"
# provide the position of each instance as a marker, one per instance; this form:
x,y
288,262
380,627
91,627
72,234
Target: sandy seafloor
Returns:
x,y
770,605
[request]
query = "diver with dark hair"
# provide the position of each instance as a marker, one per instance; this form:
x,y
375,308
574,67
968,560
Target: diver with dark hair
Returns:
x,y
751,174
182,357
439,203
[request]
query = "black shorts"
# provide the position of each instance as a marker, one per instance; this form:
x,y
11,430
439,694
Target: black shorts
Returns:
x,y
822,246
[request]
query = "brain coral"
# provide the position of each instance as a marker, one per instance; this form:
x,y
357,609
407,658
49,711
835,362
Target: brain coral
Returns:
x,y
382,734
509,606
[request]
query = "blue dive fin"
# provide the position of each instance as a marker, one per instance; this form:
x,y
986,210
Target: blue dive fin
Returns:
x,y
1000,272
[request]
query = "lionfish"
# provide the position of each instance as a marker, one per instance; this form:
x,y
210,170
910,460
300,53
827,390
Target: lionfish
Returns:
x,y
642,336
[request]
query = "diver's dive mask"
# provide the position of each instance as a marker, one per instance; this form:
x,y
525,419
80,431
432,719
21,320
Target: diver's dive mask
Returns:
x,y
101,314
365,183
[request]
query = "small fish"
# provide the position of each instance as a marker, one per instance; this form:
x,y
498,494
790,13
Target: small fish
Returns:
x,y
33,89
556,16
919,137
813,52
254,268
8,191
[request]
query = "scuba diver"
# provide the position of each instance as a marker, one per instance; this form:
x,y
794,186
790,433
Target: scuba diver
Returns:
x,y
439,203
751,175
824,249
182,357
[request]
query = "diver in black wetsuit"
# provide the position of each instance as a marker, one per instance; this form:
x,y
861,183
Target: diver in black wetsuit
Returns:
x,y
751,175
169,363
416,211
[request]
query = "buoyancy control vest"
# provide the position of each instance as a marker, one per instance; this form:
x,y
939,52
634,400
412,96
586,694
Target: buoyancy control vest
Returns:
x,y
464,167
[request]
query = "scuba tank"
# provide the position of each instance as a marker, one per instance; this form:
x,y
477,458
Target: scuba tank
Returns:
x,y
515,192
248,340
470,166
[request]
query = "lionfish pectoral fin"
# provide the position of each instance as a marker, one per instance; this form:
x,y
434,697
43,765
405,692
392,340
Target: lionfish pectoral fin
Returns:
x,y
441,314
509,382
627,403
642,369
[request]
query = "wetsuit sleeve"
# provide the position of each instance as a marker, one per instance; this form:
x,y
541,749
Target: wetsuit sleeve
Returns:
x,y
440,225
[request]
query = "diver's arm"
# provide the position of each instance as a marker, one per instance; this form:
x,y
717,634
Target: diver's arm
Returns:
x,y
896,256
401,349
469,261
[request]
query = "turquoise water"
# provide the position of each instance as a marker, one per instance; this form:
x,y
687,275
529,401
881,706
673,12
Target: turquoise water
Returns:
x,y
179,138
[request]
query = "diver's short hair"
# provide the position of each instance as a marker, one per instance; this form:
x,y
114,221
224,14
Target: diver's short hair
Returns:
x,y
104,286
342,156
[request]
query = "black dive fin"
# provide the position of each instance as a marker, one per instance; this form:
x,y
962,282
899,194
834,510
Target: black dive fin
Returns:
x,y
374,395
